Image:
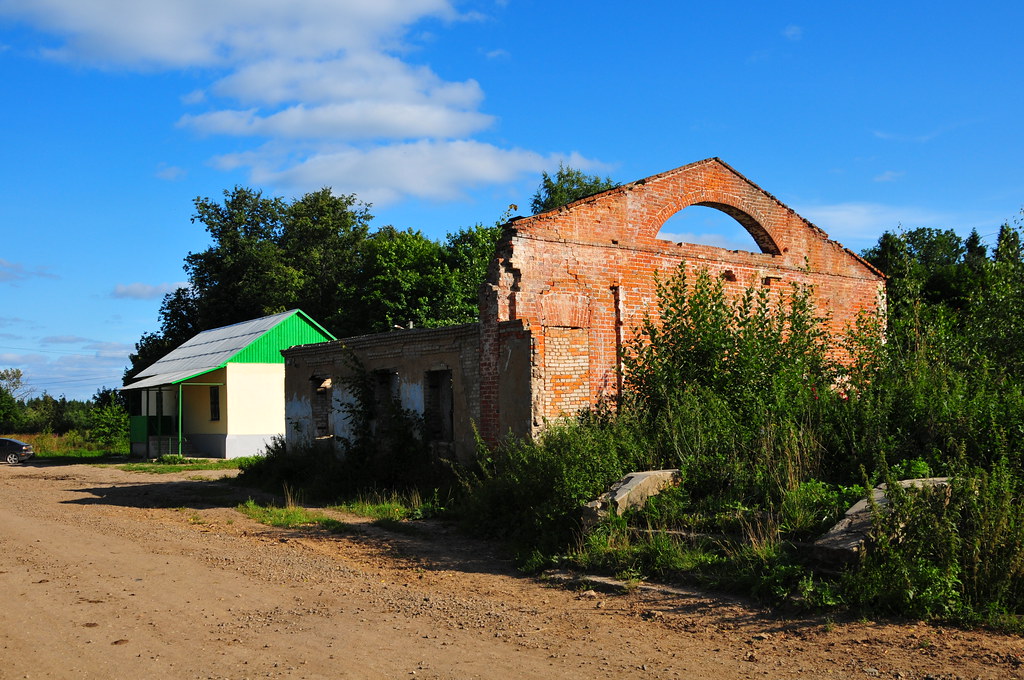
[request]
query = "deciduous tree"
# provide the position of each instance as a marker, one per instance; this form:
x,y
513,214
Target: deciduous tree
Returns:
x,y
567,185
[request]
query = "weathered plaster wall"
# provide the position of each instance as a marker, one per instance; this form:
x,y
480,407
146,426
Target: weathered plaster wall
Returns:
x,y
406,355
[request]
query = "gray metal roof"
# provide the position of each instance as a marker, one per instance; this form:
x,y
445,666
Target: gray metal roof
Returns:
x,y
205,352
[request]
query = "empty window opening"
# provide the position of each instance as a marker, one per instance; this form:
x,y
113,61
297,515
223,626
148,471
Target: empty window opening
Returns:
x,y
322,394
438,416
385,397
706,226
214,402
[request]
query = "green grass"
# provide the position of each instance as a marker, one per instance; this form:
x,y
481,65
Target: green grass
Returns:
x,y
292,517
392,507
174,463
79,456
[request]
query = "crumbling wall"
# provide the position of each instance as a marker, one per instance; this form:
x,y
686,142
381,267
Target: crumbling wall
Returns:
x,y
433,372
580,279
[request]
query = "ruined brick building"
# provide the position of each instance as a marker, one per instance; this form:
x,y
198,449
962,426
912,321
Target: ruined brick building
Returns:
x,y
565,292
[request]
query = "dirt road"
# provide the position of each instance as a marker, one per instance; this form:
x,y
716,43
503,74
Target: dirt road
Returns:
x,y
110,574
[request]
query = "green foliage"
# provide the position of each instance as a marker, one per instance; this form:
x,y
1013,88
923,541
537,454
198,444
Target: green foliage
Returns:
x,y
317,253
530,492
737,393
10,411
95,422
567,185
813,506
108,426
172,462
394,506
953,553
774,438
407,279
12,382
291,516
314,469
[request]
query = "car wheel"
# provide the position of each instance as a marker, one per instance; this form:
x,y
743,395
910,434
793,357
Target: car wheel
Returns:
x,y
12,458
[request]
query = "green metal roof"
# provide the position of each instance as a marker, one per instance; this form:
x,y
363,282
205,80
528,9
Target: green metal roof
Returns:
x,y
258,341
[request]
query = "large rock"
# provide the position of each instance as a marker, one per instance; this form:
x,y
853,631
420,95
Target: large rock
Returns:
x,y
844,542
632,491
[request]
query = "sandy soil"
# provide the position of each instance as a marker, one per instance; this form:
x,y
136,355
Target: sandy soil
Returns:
x,y
110,574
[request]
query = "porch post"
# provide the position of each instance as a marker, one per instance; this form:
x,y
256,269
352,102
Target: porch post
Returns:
x,y
179,419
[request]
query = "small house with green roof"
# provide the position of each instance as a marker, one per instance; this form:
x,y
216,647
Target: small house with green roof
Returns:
x,y
220,394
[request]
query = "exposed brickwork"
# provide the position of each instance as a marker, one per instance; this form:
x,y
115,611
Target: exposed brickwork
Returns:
x,y
580,279
567,291
566,378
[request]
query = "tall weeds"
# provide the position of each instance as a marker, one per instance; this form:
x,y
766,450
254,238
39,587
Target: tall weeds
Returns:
x,y
775,435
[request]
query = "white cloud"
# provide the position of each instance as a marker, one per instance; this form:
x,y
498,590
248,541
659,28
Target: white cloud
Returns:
x,y
348,121
710,239
793,32
325,87
186,33
63,340
382,175
858,225
894,137
171,173
889,176
15,271
375,76
6,321
193,97
75,374
353,97
924,137
145,291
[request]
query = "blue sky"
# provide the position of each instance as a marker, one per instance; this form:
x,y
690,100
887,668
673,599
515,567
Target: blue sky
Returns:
x,y
860,116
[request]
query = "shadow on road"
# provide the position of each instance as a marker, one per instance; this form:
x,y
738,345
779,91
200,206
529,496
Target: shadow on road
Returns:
x,y
54,461
195,494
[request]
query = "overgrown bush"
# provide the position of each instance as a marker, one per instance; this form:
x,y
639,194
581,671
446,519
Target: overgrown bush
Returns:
x,y
531,492
738,393
314,469
776,427
385,449
954,553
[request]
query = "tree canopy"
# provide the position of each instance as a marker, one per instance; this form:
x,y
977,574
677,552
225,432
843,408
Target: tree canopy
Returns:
x,y
567,185
317,253
940,280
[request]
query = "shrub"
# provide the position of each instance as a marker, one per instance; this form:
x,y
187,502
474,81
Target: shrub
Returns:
x,y
954,553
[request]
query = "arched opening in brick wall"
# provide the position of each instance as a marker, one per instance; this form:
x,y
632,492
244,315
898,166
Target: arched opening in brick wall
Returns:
x,y
713,224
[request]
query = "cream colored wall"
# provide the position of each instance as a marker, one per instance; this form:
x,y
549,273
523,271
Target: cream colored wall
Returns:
x,y
196,406
254,399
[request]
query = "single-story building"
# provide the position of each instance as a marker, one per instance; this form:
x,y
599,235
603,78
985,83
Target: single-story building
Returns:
x,y
220,394
564,294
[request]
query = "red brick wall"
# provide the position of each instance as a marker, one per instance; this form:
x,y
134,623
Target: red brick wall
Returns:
x,y
580,278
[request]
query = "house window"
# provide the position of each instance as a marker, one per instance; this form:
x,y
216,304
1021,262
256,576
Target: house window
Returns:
x,y
134,403
214,402
438,420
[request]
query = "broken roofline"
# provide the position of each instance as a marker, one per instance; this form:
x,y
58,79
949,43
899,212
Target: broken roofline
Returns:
x,y
521,224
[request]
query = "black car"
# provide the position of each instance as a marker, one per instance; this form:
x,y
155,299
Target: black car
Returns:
x,y
14,451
